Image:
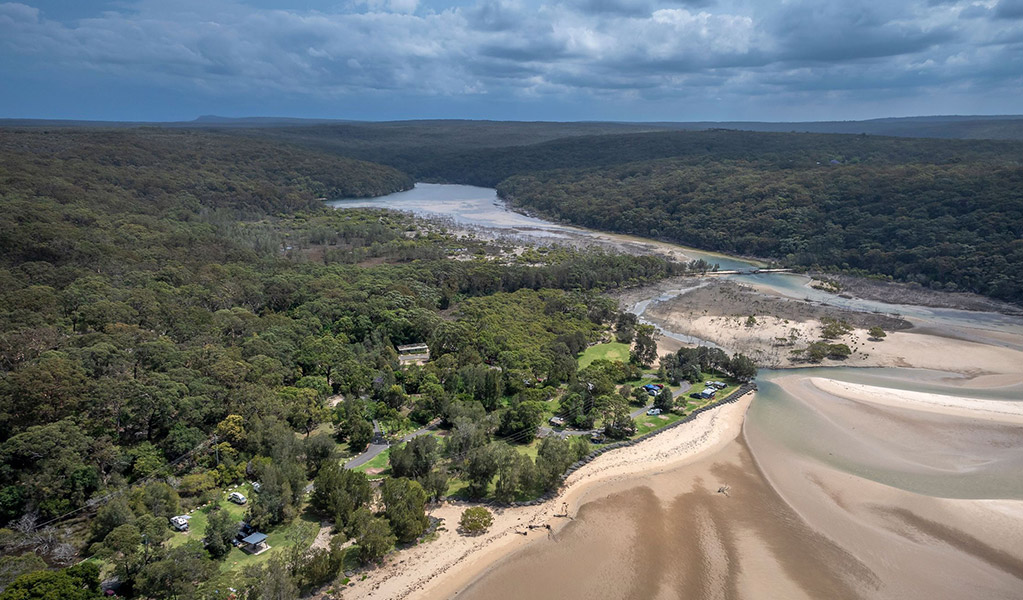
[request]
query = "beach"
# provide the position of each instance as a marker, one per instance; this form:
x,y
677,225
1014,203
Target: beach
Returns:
x,y
896,479
442,567
841,483
758,518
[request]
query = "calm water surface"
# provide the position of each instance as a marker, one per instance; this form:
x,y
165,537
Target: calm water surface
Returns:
x,y
480,207
774,412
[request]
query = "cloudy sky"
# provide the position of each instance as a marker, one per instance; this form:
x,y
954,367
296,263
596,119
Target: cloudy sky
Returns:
x,y
630,60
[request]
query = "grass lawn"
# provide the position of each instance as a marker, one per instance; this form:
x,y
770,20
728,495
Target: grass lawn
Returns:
x,y
380,461
531,449
612,351
456,487
300,532
648,423
197,524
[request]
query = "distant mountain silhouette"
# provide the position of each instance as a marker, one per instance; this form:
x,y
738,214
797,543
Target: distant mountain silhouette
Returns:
x,y
1005,127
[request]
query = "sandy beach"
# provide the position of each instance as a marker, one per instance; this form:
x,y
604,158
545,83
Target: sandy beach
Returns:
x,y
976,408
831,483
783,326
759,518
442,567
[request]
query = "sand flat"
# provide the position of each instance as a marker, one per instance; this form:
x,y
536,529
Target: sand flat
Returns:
x,y
975,408
440,568
792,525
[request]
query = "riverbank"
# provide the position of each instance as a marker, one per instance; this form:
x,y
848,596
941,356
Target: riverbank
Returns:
x,y
441,567
769,328
763,516
836,490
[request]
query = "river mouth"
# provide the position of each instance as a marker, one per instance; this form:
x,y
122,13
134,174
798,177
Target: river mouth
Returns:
x,y
480,208
940,454
880,482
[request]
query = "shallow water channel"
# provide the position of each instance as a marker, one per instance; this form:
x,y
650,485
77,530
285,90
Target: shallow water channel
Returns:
x,y
775,412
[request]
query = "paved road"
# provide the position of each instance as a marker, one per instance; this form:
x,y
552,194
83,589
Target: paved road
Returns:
x,y
379,444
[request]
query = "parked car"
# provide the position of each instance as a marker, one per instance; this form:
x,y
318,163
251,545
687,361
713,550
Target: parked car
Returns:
x,y
237,498
256,486
244,529
653,412
597,438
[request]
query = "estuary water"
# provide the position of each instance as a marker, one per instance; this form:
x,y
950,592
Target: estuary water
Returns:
x,y
471,206
841,486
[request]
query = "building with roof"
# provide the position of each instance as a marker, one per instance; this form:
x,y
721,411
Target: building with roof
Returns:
x,y
255,543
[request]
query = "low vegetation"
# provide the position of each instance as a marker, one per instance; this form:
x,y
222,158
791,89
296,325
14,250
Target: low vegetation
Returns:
x,y
476,520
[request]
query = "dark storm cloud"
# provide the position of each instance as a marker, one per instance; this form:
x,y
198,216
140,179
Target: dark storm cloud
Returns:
x,y
537,52
837,32
1009,9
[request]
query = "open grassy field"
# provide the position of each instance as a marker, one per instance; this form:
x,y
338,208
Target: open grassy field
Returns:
x,y
611,351
648,423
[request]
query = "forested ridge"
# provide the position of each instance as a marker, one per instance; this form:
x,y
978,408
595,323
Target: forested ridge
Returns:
x,y
178,314
940,214
487,153
943,213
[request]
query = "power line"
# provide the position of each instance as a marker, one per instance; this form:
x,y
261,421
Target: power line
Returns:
x,y
93,502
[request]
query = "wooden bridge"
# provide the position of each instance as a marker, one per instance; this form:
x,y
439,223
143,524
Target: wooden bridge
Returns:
x,y
748,271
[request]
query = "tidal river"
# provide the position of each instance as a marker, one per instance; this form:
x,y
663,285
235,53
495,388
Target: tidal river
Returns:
x,y
899,481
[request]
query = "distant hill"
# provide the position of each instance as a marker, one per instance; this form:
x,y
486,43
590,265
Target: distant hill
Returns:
x,y
322,132
1006,127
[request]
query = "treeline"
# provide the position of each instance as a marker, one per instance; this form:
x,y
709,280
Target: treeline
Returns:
x,y
486,158
945,220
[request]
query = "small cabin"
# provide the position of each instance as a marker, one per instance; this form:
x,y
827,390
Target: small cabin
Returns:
x,y
557,421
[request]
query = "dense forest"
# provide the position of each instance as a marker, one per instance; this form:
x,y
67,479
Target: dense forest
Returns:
x,y
179,314
485,154
942,213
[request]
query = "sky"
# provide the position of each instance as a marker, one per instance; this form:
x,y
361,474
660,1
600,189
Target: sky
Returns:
x,y
621,60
